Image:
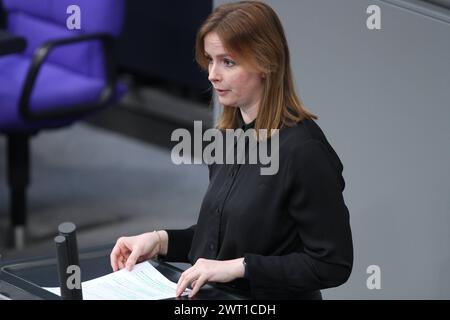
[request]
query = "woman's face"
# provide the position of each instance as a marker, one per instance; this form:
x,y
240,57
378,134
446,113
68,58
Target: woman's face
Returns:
x,y
236,85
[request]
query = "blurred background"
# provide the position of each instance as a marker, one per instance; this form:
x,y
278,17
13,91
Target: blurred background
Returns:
x,y
382,97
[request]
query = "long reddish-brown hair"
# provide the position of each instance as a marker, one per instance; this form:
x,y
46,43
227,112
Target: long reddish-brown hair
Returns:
x,y
252,33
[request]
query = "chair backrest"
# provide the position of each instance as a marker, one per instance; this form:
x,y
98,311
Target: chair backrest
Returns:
x,y
43,20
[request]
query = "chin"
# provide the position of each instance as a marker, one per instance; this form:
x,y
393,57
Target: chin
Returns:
x,y
227,103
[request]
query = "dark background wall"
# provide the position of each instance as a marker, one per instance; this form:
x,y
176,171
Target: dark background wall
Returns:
x,y
157,43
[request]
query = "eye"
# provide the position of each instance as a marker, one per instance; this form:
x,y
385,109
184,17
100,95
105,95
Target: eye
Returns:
x,y
228,62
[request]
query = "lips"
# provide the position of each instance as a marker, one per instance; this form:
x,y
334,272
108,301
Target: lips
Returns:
x,y
221,91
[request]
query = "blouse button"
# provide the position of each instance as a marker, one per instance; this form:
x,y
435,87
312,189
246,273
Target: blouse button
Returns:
x,y
211,246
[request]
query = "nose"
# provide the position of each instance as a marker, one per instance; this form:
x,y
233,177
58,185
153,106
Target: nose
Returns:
x,y
214,74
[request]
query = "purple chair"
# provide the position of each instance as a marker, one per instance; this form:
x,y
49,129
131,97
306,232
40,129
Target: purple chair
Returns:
x,y
62,76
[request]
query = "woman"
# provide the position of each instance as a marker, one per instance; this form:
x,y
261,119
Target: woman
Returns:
x,y
280,236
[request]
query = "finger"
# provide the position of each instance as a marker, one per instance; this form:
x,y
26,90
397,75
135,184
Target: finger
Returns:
x,y
119,250
185,282
196,287
131,261
187,274
121,262
113,259
184,275
180,281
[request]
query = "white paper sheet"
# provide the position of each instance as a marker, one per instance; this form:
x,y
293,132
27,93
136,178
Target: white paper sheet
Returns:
x,y
144,282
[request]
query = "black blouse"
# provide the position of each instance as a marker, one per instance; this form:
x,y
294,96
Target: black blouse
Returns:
x,y
292,227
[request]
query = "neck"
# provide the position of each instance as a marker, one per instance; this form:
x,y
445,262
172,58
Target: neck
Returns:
x,y
249,113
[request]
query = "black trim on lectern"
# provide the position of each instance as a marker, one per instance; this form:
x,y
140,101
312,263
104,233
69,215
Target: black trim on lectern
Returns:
x,y
31,275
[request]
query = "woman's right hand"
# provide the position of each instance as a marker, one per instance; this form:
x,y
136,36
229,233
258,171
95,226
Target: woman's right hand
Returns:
x,y
130,250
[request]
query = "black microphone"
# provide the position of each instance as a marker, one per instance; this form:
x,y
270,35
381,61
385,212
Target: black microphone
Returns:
x,y
67,252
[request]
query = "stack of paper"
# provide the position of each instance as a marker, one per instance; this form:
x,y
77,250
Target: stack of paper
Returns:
x,y
144,282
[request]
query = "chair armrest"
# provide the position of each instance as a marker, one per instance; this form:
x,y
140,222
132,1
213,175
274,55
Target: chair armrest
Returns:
x,y
39,57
